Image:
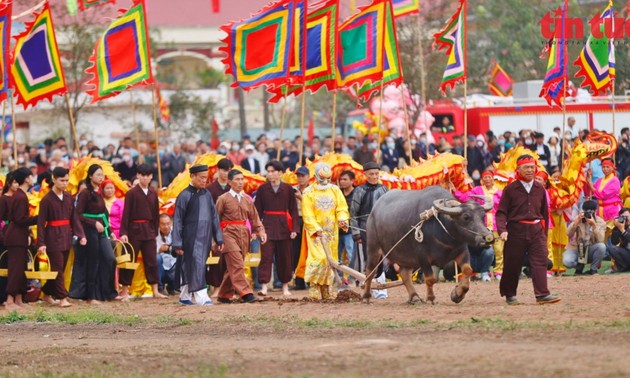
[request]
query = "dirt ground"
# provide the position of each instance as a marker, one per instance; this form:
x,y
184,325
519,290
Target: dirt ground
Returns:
x,y
586,334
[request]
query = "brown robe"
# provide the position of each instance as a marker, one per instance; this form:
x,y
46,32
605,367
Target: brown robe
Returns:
x,y
215,272
279,243
236,239
140,224
57,238
16,241
518,206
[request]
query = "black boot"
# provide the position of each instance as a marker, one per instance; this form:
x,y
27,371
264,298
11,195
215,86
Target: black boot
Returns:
x,y
579,269
299,284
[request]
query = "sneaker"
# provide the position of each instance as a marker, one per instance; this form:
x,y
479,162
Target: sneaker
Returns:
x,y
549,274
207,303
485,277
591,273
497,276
512,301
186,302
551,298
224,300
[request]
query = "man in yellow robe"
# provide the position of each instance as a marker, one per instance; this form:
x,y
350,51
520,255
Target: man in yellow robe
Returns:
x,y
324,210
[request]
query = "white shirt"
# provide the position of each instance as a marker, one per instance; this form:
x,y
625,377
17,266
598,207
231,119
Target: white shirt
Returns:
x,y
527,185
146,191
238,196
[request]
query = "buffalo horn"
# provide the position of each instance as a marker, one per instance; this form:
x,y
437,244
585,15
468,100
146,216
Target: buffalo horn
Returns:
x,y
488,202
451,207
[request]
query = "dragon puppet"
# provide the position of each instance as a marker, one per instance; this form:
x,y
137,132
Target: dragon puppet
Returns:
x,y
566,191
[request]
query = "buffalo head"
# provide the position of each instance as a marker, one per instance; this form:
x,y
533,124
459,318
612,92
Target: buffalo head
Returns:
x,y
467,220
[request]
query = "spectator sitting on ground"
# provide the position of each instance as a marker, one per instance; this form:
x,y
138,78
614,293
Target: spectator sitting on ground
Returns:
x,y
586,240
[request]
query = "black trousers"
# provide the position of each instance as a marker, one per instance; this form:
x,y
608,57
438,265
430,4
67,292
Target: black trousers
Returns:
x,y
93,269
621,256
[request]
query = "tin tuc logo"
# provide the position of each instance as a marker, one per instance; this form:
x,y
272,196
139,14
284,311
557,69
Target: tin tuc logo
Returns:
x,y
606,27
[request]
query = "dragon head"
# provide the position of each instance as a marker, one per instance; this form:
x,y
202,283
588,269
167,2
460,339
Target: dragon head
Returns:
x,y
600,145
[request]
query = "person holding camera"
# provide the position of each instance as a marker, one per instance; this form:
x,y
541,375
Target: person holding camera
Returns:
x,y
620,240
587,235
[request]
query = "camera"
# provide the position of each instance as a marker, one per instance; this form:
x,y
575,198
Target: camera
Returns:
x,y
622,219
588,214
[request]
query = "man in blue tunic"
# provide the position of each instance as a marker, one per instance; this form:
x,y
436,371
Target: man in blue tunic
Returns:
x,y
195,224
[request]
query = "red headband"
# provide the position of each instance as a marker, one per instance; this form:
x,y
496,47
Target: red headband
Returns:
x,y
542,174
107,181
608,163
487,173
527,160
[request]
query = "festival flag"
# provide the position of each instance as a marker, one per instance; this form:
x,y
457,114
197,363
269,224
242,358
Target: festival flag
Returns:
x,y
452,39
405,7
393,72
8,126
596,61
321,27
258,49
5,40
165,112
121,57
553,88
214,136
360,50
89,4
216,6
36,70
500,82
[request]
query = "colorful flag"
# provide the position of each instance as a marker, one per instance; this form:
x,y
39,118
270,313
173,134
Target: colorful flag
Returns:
x,y
360,51
89,4
405,7
36,71
259,49
165,112
452,38
8,126
393,72
553,88
5,40
216,6
321,27
121,57
500,82
596,61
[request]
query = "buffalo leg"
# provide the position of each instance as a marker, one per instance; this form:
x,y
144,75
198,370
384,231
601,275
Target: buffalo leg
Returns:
x,y
459,292
370,272
405,274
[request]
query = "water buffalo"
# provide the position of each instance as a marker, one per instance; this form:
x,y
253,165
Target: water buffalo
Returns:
x,y
398,211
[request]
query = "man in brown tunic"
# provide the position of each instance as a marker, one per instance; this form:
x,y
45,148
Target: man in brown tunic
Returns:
x,y
521,223
56,224
139,227
276,204
220,186
16,239
234,209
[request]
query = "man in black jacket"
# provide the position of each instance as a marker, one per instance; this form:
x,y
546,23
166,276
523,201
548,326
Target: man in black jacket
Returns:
x,y
542,149
250,162
620,238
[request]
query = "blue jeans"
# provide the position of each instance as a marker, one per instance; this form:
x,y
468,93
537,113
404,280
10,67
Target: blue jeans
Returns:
x,y
481,261
163,274
346,242
596,254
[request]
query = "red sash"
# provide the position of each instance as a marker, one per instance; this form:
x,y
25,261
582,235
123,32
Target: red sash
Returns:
x,y
58,223
224,224
286,214
140,221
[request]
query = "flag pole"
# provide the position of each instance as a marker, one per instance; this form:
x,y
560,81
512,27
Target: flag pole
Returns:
x,y
302,118
465,81
423,85
4,126
614,110
408,132
334,118
14,126
157,137
133,118
380,125
283,120
73,128
566,81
